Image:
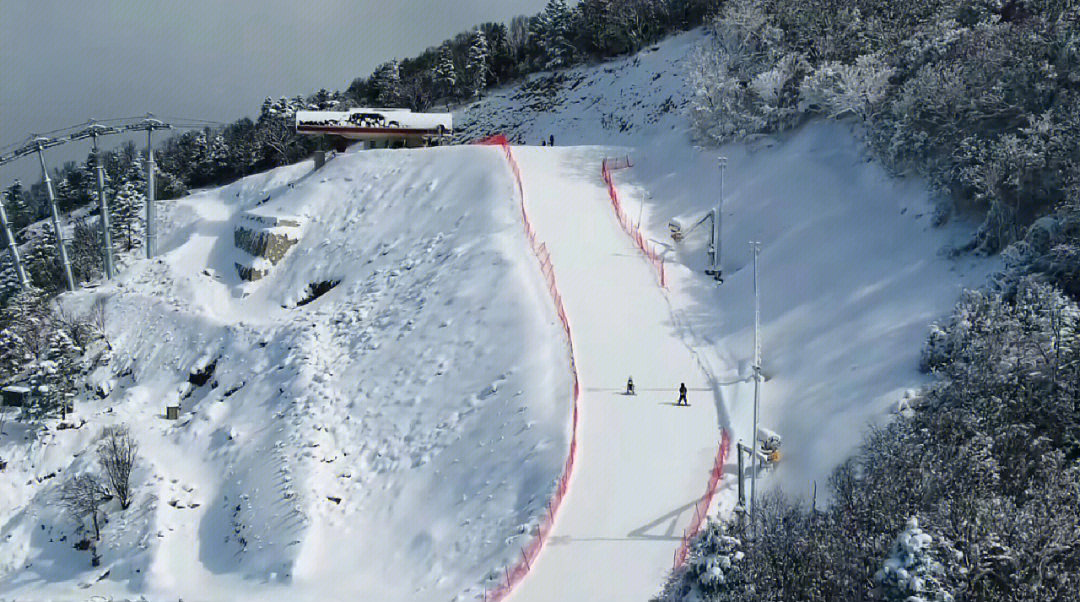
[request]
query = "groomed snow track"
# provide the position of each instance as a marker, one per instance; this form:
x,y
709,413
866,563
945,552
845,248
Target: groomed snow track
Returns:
x,y
640,464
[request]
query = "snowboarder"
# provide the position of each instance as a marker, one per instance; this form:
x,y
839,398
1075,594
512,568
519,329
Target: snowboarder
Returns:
x,y
630,386
551,140
682,396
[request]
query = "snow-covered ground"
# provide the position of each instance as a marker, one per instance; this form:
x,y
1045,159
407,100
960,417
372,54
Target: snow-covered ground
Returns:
x,y
641,460
851,273
393,439
397,437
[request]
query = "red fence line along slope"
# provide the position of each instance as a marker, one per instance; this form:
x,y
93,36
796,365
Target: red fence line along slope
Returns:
x,y
628,226
517,572
701,509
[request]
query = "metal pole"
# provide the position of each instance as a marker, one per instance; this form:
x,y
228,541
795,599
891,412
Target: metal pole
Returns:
x,y
757,392
13,248
151,209
103,207
57,227
718,223
742,473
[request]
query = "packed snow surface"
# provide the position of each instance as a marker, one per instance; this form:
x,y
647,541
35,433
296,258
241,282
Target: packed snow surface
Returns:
x,y
642,461
392,439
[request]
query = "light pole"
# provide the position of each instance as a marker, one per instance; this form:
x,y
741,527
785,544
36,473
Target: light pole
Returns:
x,y
756,246
715,268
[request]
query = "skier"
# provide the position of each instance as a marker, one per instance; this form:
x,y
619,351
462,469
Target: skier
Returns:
x,y
630,386
551,140
682,396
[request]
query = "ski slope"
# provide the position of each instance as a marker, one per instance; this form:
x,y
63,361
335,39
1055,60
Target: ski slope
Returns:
x,y
642,461
853,269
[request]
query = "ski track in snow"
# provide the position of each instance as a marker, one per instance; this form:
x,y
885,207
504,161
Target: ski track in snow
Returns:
x,y
641,461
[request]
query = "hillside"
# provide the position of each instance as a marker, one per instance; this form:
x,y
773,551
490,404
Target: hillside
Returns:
x,y
852,270
392,438
379,408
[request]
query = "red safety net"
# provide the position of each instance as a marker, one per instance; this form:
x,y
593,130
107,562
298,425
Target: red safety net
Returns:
x,y
514,574
701,509
647,247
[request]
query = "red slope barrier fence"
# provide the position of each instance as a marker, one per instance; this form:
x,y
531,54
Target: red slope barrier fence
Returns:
x,y
516,573
701,509
628,226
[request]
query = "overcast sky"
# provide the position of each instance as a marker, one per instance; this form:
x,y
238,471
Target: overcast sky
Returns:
x,y
63,62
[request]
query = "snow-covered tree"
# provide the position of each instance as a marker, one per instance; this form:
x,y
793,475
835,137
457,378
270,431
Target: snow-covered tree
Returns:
x,y
838,89
386,82
42,259
476,65
910,573
17,206
37,350
128,209
445,73
551,33
9,278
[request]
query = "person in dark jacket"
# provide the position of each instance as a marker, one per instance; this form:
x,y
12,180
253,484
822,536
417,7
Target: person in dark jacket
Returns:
x,y
551,140
682,396
630,386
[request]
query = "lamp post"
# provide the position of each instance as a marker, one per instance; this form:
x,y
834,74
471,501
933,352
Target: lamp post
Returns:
x,y
756,246
715,268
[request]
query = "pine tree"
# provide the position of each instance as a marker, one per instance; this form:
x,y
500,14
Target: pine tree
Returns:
x,y
9,279
911,574
386,81
553,30
43,261
126,209
445,72
476,67
17,206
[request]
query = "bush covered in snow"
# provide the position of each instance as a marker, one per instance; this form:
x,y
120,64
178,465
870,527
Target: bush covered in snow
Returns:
x,y
989,464
910,573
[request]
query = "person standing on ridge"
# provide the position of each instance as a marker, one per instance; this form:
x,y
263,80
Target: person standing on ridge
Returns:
x,y
551,140
682,396
630,386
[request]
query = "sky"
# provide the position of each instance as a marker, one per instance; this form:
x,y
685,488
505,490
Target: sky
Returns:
x,y
63,62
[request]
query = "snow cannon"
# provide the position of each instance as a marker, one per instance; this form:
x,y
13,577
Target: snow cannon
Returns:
x,y
769,442
676,228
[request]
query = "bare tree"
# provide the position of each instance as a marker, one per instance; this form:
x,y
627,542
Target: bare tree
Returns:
x,y
76,327
83,496
117,454
98,319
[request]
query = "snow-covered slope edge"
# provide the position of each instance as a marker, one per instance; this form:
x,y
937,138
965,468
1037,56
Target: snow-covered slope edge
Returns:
x,y
852,273
392,439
